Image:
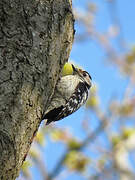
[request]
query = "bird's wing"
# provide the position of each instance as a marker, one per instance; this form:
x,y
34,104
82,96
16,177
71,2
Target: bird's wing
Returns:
x,y
77,99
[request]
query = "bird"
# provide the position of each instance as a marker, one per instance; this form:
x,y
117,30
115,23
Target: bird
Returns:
x,y
70,94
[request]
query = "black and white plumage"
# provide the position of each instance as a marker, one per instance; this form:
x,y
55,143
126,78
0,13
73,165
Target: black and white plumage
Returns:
x,y
70,94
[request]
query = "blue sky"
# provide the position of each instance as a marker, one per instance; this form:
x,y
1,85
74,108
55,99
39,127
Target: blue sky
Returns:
x,y
91,57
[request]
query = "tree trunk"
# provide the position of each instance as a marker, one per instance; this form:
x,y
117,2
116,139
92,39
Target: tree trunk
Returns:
x,y
35,41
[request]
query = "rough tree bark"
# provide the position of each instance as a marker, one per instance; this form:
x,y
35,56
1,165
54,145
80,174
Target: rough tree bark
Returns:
x,y
35,42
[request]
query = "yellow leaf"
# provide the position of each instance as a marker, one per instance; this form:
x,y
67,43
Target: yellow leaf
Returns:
x,y
33,153
126,109
116,140
59,135
130,58
74,144
40,138
128,132
92,102
76,161
67,69
26,165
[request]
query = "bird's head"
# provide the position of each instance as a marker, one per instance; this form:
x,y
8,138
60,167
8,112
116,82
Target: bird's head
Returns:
x,y
84,75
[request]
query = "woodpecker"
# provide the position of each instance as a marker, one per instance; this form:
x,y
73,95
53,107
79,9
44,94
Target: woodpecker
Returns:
x,y
70,94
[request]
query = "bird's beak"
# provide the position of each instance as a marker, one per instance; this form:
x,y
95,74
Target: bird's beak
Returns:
x,y
74,69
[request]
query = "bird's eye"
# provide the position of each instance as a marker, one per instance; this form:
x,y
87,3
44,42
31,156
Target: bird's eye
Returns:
x,y
84,74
